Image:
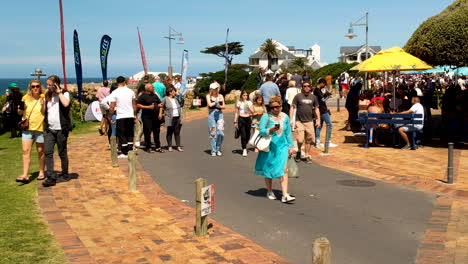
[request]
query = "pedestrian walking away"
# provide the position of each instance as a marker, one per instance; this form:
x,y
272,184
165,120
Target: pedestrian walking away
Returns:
x,y
304,111
33,110
123,101
273,164
57,127
102,93
269,89
172,118
215,102
149,105
105,105
323,94
243,119
13,103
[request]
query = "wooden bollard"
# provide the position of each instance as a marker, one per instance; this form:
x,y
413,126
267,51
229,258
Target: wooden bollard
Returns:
x,y
321,251
201,226
132,183
113,142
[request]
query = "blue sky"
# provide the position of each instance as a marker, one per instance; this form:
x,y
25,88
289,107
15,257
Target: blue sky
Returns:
x,y
30,30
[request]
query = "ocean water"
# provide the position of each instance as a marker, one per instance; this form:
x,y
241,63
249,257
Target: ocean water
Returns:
x,y
24,82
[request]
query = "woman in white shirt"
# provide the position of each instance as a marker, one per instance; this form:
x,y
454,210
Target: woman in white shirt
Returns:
x,y
172,118
243,120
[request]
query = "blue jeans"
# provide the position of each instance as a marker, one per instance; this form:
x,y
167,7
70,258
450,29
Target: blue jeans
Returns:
x,y
325,117
216,129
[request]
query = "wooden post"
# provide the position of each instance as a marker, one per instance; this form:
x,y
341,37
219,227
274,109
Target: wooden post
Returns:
x,y
115,161
132,184
321,251
201,226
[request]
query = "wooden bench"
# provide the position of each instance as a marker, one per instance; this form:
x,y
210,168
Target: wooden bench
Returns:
x,y
393,120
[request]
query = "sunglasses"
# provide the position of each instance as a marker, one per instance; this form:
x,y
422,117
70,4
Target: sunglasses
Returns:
x,y
275,107
306,86
35,86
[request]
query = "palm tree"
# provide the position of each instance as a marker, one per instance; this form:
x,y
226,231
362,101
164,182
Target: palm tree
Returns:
x,y
269,49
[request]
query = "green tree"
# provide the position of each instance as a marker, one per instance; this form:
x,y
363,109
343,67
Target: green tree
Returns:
x,y
270,49
441,39
234,48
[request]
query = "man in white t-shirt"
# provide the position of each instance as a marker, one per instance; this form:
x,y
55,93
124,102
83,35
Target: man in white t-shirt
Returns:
x,y
123,101
417,108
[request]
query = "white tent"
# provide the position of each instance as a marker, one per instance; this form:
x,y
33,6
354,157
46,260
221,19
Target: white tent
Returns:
x,y
93,112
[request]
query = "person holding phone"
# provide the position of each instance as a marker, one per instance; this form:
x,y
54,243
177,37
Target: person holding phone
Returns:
x,y
243,119
273,164
57,127
215,102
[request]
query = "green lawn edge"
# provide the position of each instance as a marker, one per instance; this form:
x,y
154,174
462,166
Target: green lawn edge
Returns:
x,y
24,234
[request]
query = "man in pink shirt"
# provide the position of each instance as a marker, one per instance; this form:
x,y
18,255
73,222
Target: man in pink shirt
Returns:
x,y
102,93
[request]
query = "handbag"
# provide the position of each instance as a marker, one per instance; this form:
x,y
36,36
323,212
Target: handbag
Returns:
x,y
293,169
236,133
24,124
261,143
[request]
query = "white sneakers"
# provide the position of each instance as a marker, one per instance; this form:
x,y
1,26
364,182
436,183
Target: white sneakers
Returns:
x,y
287,198
244,153
321,145
271,196
122,156
137,144
284,199
219,153
213,154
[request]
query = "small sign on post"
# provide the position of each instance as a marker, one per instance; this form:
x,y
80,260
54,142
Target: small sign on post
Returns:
x,y
208,200
204,205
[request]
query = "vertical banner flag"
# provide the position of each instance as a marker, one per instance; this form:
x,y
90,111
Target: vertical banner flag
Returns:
x,y
142,52
226,56
104,51
78,69
183,87
62,42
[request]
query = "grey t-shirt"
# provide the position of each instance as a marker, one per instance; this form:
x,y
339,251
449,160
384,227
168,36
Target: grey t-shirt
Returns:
x,y
305,106
268,90
298,80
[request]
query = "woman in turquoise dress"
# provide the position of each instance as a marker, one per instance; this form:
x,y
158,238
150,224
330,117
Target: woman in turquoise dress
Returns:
x,y
273,164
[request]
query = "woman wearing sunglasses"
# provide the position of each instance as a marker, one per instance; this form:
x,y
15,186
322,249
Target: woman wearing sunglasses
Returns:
x,y
273,164
33,110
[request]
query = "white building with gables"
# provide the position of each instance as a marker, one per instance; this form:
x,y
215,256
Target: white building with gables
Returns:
x,y
357,54
286,55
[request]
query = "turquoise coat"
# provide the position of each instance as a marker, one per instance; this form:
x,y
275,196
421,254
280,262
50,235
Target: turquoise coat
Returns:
x,y
271,164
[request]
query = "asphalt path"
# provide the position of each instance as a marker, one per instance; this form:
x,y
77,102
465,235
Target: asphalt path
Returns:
x,y
380,223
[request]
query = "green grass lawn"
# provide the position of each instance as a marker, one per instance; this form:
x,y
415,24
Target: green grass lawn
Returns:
x,y
24,237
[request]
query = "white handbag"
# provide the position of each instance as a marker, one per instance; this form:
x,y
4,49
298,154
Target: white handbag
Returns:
x,y
259,142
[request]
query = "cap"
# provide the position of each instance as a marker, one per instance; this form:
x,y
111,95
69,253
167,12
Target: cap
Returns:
x,y
214,86
12,85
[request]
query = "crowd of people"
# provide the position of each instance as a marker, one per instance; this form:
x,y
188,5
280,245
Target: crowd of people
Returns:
x,y
289,110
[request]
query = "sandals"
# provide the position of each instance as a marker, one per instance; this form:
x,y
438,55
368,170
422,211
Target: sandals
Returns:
x,y
180,149
169,149
40,177
23,179
159,150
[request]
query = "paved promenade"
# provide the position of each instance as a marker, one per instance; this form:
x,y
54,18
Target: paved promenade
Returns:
x,y
97,220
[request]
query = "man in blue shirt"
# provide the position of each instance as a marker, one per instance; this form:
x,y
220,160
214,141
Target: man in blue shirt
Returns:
x,y
269,89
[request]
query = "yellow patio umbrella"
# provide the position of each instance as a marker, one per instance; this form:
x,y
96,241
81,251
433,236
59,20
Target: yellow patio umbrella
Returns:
x,y
392,59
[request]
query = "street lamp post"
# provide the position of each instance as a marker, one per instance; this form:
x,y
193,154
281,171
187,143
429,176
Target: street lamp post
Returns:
x,y
170,37
351,35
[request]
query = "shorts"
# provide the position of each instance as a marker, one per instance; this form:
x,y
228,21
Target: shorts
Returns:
x,y
409,128
344,86
103,110
30,135
305,131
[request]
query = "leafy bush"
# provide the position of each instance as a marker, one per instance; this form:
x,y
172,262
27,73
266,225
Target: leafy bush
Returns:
x,y
236,79
251,84
441,39
334,69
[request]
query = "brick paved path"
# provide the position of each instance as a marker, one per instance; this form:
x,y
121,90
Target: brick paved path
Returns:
x,y
96,220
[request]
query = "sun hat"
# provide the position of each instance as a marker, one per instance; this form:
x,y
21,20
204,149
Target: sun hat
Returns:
x,y
214,86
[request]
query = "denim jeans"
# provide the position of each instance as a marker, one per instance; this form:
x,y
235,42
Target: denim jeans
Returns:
x,y
325,117
216,129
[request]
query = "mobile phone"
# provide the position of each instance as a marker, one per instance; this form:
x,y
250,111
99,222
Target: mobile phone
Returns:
x,y
277,125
